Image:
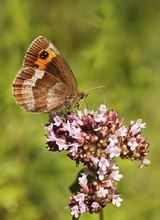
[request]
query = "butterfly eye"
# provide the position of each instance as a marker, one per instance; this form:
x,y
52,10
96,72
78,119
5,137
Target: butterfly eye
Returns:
x,y
44,54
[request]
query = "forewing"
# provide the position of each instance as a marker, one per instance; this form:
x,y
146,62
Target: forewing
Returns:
x,y
43,55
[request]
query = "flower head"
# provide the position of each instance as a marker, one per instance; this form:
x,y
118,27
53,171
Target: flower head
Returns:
x,y
96,139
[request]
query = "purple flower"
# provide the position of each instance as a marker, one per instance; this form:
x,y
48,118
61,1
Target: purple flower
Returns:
x,y
122,131
103,108
75,211
96,139
80,198
116,200
113,140
61,144
101,174
116,175
95,207
102,192
137,126
57,120
103,163
113,151
144,162
83,181
133,143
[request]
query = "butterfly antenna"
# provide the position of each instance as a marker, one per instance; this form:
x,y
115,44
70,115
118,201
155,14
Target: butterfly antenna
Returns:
x,y
94,88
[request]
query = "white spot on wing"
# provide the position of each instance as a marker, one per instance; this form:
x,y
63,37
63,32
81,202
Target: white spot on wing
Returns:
x,y
27,89
31,82
52,47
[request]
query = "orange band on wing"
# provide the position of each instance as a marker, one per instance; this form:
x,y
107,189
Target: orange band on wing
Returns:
x,y
41,63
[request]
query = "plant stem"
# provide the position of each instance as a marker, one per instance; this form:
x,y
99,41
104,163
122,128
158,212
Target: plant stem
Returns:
x,y
101,216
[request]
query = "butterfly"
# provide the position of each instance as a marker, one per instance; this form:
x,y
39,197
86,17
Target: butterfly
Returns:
x,y
45,83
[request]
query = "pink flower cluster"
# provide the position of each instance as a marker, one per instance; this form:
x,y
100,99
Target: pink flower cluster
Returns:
x,y
96,139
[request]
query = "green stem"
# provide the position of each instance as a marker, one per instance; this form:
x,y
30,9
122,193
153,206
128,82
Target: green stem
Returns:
x,y
101,216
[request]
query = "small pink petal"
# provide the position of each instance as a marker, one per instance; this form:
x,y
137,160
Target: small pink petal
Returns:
x,y
116,200
75,211
144,162
102,192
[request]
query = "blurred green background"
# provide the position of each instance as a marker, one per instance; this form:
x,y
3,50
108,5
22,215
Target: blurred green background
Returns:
x,y
111,43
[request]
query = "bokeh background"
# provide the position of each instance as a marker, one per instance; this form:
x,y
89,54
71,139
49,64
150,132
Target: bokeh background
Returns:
x,y
115,44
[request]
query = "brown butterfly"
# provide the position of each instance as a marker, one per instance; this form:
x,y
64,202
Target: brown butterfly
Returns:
x,y
45,83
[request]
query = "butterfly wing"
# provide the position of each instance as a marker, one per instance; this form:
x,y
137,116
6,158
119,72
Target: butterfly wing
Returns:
x,y
43,55
38,91
45,81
